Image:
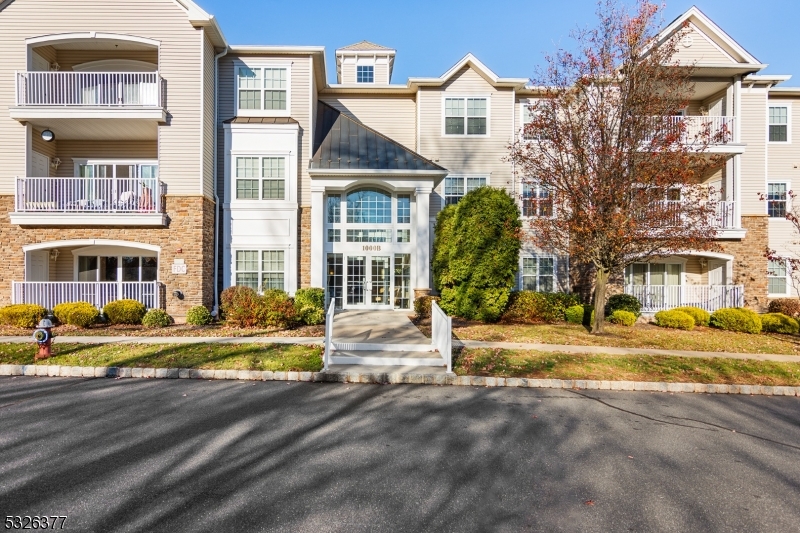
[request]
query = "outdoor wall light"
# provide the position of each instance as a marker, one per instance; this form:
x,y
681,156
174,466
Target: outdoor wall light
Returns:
x,y
177,294
48,136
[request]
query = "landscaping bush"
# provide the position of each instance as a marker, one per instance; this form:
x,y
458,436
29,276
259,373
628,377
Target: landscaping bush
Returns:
x,y
787,306
81,314
533,307
623,302
700,316
422,306
198,316
309,305
674,319
736,319
125,312
277,309
22,315
623,318
779,323
156,318
240,306
579,314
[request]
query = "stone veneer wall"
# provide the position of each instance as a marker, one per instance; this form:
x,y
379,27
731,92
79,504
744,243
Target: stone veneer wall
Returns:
x,y
304,255
749,263
189,236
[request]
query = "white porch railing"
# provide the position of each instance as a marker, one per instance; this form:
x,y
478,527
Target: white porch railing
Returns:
x,y
656,298
90,89
326,356
89,195
724,217
696,127
49,294
441,334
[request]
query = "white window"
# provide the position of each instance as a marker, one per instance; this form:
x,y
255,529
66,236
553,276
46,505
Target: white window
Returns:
x,y
538,273
260,270
659,274
779,124
455,187
117,268
260,178
365,74
262,90
777,274
537,200
777,199
466,116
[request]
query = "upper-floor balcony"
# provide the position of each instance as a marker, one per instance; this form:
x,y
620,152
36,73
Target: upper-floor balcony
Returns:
x,y
715,131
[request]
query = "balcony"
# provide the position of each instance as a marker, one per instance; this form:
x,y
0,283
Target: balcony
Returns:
x,y
656,298
695,129
49,294
88,95
89,201
723,219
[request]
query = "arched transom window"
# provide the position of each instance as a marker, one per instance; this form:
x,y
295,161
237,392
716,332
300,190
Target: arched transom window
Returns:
x,y
369,206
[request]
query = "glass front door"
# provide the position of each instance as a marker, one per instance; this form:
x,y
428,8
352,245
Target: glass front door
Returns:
x,y
369,281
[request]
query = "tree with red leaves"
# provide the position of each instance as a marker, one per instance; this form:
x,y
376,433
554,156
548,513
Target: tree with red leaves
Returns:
x,y
623,176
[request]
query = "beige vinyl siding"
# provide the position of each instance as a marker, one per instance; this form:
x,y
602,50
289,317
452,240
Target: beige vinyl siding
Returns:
x,y
67,59
348,72
179,63
783,161
393,116
467,154
702,50
381,73
753,117
48,149
208,118
105,150
695,274
63,268
48,52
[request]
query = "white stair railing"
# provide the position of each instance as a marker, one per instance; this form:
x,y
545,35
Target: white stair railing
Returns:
x,y
326,356
441,334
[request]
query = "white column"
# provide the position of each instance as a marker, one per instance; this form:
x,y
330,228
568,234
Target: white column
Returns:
x,y
317,238
423,247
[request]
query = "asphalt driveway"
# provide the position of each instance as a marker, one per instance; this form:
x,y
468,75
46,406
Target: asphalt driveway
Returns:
x,y
186,455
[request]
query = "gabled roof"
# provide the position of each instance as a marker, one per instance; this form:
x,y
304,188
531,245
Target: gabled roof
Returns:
x,y
343,143
480,68
365,45
198,17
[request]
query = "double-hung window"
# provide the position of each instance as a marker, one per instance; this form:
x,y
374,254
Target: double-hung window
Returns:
x,y
776,277
778,124
262,88
455,187
537,200
260,270
260,178
365,74
466,116
538,273
777,197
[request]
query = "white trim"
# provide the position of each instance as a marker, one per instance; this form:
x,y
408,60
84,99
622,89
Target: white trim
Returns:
x,y
27,113
788,184
91,219
89,242
787,279
260,249
479,67
262,63
105,250
56,38
116,65
464,97
788,106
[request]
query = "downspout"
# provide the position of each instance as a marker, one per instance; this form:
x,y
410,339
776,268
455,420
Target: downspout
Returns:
x,y
215,311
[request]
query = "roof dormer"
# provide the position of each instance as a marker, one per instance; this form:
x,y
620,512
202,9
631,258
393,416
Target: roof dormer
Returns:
x,y
364,63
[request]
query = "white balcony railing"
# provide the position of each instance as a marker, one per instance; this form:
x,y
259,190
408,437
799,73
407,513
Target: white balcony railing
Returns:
x,y
656,298
723,218
695,128
89,195
90,89
49,294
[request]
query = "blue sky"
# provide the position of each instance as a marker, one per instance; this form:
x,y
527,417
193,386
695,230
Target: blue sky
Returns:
x,y
510,37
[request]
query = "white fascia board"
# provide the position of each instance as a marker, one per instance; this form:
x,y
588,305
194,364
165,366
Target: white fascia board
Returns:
x,y
773,78
785,91
81,219
339,172
276,49
54,112
475,63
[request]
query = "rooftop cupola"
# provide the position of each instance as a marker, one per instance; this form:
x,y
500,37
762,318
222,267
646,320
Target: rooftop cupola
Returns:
x,y
364,63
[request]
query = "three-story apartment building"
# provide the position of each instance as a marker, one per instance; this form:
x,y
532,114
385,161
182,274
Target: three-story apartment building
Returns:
x,y
143,156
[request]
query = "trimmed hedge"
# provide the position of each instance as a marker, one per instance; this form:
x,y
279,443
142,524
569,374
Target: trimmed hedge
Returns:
x,y
422,306
240,306
736,319
277,309
700,316
22,315
530,307
125,312
579,314
787,306
674,319
81,314
779,323
198,315
156,318
623,302
309,305
623,318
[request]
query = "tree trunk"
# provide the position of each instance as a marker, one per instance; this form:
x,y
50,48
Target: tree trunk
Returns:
x,y
601,279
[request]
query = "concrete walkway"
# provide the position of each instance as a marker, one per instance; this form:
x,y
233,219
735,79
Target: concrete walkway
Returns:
x,y
376,328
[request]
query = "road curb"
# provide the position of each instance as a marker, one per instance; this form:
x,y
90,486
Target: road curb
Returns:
x,y
390,378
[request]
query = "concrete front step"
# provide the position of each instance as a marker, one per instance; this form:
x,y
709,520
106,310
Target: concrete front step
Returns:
x,y
387,358
382,347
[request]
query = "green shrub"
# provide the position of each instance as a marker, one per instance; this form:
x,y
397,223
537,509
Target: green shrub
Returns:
x,y
422,305
277,309
81,314
125,312
240,306
198,316
309,305
622,317
476,254
156,318
779,323
736,319
22,315
674,319
530,307
787,306
623,302
700,316
579,314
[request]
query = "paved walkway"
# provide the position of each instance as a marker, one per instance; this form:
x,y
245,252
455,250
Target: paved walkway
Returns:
x,y
376,328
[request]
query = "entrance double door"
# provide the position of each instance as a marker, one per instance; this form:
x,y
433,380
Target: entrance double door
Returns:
x,y
369,281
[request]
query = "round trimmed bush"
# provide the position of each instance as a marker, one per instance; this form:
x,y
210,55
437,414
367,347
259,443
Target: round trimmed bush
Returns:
x,y
81,314
125,312
22,315
198,316
674,319
422,306
277,309
779,323
309,305
240,306
622,317
156,318
576,314
623,302
736,319
700,316
787,306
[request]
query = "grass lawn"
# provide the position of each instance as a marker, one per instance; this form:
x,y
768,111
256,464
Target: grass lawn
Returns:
x,y
544,365
275,357
175,330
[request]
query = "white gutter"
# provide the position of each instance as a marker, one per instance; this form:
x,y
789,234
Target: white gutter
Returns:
x,y
217,57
